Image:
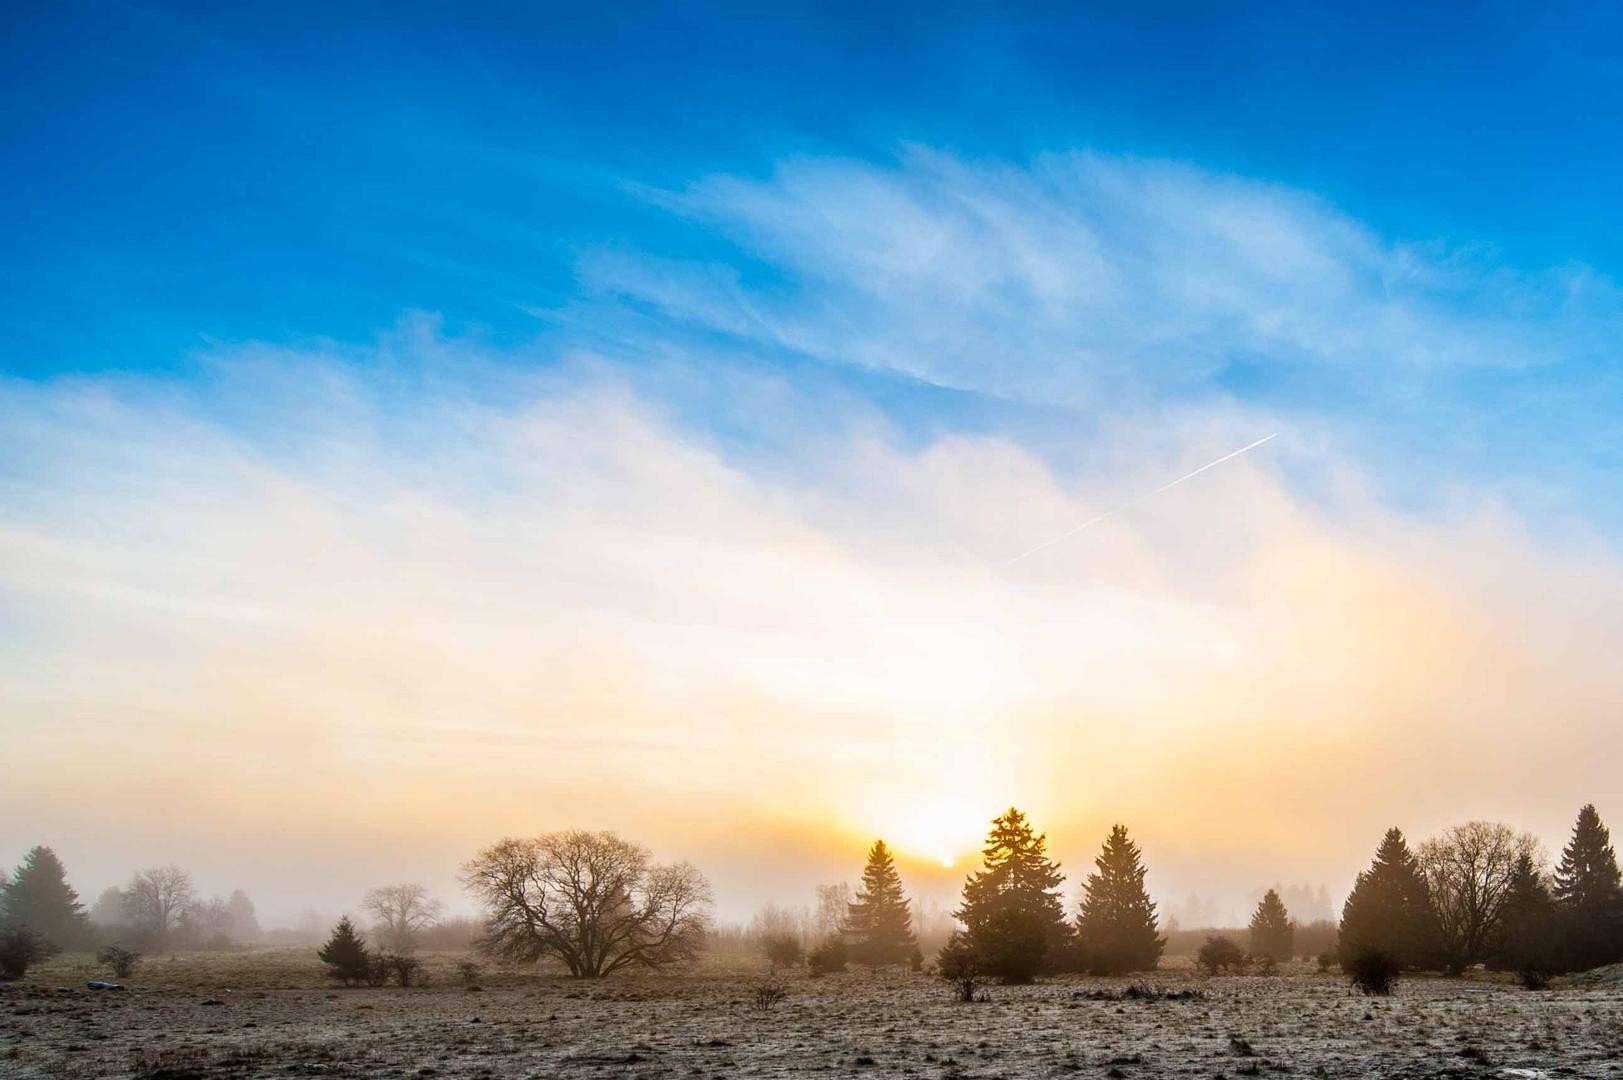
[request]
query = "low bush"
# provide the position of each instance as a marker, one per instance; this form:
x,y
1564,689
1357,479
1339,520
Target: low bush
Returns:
x,y
827,958
1220,954
407,970
119,960
782,949
21,949
1372,971
959,964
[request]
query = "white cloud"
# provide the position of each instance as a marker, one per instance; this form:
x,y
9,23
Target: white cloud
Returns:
x,y
402,614
1098,281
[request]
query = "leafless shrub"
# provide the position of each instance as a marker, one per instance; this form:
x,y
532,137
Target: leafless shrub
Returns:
x,y
766,996
405,968
119,960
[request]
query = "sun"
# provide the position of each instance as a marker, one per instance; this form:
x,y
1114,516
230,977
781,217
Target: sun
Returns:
x,y
942,831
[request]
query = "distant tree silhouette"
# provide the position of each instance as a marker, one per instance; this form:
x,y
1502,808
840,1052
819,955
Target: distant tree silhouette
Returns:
x,y
777,934
1273,935
109,908
156,898
832,903
206,924
1468,871
1589,896
1016,876
1389,910
590,899
1529,936
400,913
1116,929
242,923
879,922
345,954
39,897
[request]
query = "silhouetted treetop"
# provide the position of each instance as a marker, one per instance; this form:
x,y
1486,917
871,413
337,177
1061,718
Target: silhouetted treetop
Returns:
x,y
1116,930
879,922
1389,910
39,897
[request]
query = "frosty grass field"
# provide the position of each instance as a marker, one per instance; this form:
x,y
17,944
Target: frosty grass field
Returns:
x,y
271,1013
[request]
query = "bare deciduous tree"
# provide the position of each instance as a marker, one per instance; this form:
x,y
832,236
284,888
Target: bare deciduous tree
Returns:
x,y
1469,870
399,913
776,932
155,899
591,899
833,904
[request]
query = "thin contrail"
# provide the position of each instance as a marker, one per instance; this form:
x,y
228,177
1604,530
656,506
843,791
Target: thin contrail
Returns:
x,y
1114,510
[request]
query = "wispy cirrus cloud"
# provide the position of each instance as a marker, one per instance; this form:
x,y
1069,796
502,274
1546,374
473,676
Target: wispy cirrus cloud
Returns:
x,y
1110,286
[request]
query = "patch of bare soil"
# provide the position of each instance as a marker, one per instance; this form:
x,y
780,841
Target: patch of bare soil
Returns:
x,y
268,1013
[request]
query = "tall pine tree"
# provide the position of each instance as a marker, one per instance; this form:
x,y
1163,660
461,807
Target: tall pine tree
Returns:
x,y
879,923
39,897
1116,929
1389,910
1588,895
1528,939
1273,935
1016,877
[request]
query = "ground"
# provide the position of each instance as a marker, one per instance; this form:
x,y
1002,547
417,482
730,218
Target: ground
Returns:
x,y
269,1013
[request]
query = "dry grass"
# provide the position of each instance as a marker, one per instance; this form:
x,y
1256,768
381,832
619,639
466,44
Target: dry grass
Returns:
x,y
276,1016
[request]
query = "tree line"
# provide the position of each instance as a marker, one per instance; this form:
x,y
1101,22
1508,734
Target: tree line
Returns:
x,y
596,903
1478,894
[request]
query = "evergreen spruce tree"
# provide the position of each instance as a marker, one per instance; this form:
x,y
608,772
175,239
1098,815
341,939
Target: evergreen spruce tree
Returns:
x,y
1588,894
39,897
1116,928
1529,939
1017,876
879,923
1389,910
1273,935
345,954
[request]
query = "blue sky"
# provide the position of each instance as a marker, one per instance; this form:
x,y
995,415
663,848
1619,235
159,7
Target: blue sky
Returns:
x,y
268,171
396,379
179,175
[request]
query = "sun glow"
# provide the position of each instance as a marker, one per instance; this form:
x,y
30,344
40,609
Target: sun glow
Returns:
x,y
942,831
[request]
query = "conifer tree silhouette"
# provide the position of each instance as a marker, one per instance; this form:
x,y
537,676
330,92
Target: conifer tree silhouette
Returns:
x,y
879,923
39,897
1389,910
1273,935
1529,937
1588,894
345,954
1017,876
1116,929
